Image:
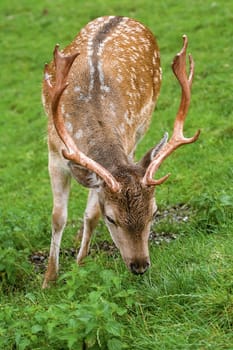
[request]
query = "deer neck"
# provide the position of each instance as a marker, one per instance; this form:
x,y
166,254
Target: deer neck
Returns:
x,y
106,148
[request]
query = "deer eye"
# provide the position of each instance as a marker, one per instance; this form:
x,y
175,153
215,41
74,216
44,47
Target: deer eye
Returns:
x,y
110,220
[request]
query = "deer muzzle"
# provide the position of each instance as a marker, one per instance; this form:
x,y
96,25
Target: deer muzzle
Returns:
x,y
139,267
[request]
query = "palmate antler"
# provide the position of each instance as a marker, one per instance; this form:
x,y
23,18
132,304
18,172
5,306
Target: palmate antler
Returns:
x,y
62,67
177,139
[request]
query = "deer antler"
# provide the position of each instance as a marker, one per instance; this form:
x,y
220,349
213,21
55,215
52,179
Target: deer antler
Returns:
x,y
177,139
63,64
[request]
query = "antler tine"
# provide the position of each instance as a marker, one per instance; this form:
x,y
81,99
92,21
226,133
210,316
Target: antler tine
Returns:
x,y
63,64
191,73
177,139
179,69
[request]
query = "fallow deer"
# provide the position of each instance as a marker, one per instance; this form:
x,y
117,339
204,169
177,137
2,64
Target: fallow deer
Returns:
x,y
99,94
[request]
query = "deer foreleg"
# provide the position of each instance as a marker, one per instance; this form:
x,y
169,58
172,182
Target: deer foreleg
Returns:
x,y
91,217
60,182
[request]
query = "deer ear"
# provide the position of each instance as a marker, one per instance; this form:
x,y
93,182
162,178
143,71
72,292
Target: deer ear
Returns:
x,y
149,156
85,177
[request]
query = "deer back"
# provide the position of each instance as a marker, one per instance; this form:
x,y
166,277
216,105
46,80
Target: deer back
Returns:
x,y
113,86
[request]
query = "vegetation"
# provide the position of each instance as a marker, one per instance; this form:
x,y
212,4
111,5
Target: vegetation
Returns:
x,y
185,301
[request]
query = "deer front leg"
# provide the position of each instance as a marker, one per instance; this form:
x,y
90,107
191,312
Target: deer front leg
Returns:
x,y
60,182
91,217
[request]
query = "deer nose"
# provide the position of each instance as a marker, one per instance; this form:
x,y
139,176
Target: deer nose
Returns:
x,y
139,268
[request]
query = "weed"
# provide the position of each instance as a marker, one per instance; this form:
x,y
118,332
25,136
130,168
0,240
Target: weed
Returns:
x,y
91,318
214,210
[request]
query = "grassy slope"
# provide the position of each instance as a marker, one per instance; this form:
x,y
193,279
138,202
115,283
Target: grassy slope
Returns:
x,y
185,302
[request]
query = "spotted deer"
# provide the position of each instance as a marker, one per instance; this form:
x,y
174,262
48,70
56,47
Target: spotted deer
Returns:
x,y
99,94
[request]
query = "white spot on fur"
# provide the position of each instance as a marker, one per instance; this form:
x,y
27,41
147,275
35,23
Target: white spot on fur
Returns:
x,y
69,126
112,108
92,143
77,89
119,78
128,120
47,76
63,109
147,109
160,73
79,134
122,128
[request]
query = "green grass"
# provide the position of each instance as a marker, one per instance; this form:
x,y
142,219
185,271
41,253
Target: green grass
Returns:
x,y
186,299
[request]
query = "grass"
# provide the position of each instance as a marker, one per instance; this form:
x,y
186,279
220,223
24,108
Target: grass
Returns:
x,y
186,299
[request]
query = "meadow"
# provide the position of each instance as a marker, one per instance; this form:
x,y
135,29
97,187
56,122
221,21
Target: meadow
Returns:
x,y
185,301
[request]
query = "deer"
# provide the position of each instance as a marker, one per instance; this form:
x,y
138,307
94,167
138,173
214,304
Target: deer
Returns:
x,y
99,94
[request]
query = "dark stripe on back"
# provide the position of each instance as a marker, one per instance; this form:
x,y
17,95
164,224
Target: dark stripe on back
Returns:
x,y
101,35
105,30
